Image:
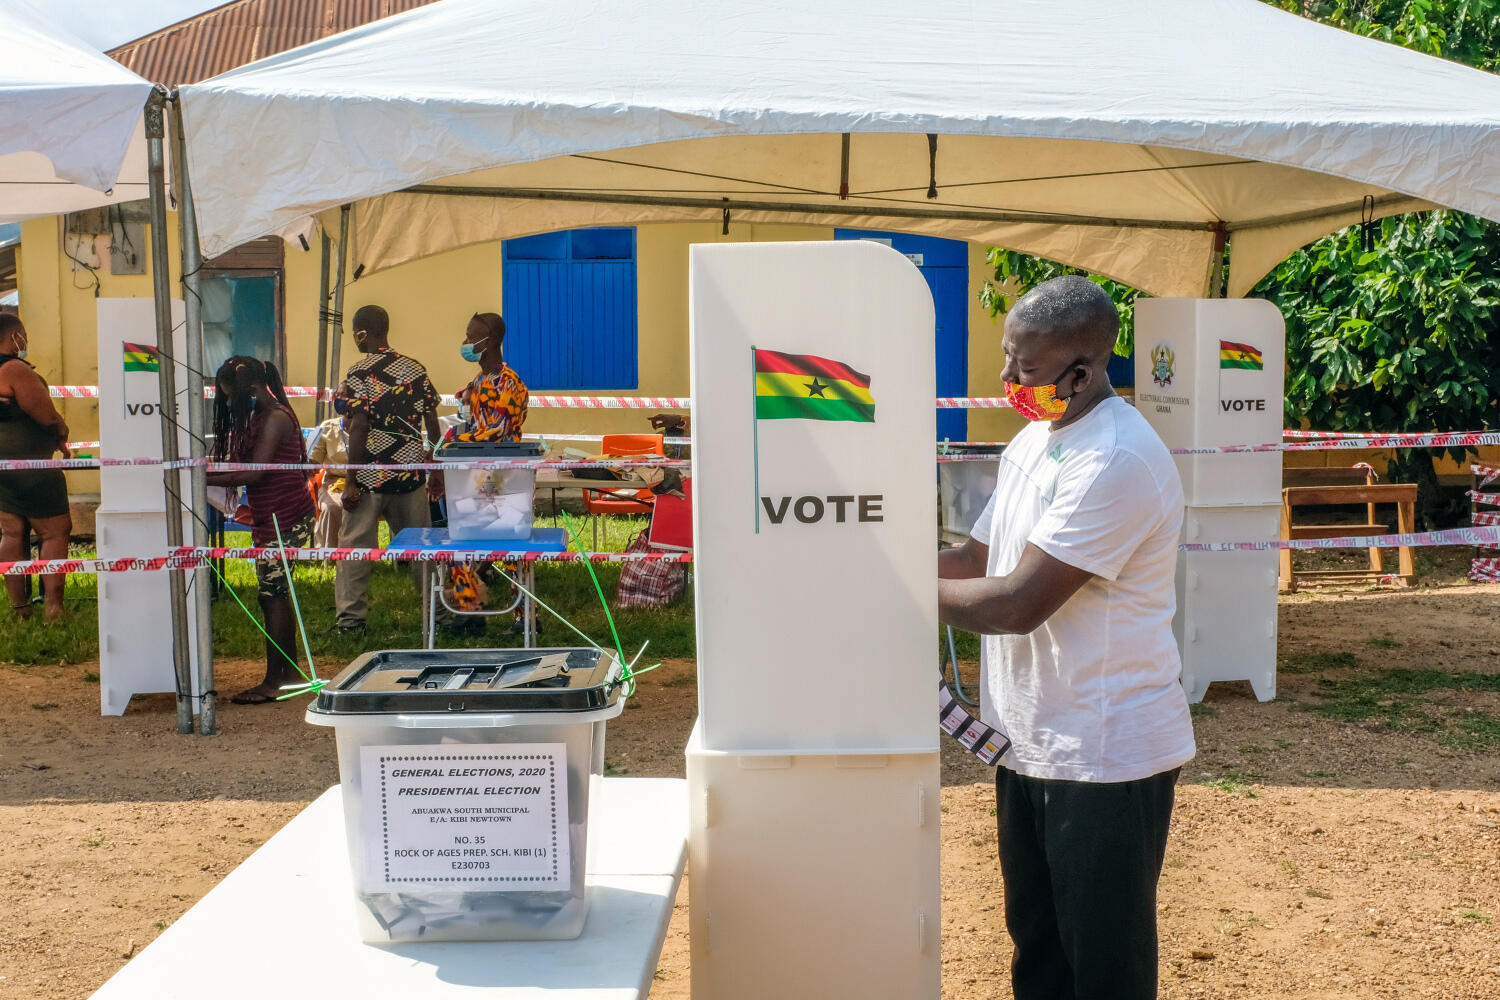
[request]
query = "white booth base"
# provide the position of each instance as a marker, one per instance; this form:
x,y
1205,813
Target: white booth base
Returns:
x,y
814,876
135,612
291,904
1226,601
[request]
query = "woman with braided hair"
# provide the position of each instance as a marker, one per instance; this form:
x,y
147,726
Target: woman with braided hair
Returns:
x,y
253,422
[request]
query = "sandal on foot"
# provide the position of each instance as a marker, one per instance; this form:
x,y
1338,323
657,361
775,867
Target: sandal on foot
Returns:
x,y
253,697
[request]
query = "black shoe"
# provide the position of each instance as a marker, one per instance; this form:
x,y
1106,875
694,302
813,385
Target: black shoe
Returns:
x,y
349,629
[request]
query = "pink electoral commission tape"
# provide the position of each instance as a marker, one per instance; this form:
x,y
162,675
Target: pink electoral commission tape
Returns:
x,y
473,463
560,401
189,556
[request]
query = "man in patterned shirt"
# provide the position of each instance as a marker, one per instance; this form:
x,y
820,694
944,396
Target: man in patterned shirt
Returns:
x,y
389,403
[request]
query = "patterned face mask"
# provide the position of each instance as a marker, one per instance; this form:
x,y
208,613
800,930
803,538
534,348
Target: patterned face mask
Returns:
x,y
1036,402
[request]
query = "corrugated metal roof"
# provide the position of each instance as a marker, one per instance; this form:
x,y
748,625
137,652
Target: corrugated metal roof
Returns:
x,y
218,40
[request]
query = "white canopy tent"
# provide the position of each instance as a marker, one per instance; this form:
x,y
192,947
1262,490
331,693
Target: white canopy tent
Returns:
x,y
70,122
1131,139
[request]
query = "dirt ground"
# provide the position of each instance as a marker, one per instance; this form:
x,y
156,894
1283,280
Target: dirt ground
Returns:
x,y
1312,856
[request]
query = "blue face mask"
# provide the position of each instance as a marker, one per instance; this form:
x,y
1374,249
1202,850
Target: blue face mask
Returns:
x,y
470,352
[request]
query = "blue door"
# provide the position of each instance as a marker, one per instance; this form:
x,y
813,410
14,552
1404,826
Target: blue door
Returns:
x,y
570,308
945,265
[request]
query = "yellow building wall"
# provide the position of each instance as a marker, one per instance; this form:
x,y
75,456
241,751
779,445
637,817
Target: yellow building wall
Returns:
x,y
430,302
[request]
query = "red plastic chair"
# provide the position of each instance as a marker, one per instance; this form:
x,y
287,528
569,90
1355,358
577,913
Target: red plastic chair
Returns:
x,y
596,502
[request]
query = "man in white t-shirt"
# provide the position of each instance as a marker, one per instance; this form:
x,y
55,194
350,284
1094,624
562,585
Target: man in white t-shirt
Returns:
x,y
1069,576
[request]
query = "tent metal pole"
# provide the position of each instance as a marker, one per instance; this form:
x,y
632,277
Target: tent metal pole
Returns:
x,y
192,262
813,208
167,383
1216,263
335,373
318,405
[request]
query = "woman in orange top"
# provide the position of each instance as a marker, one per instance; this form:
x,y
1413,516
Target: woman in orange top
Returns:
x,y
493,406
494,401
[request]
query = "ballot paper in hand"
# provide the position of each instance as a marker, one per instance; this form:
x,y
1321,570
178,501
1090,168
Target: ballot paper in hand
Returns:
x,y
980,739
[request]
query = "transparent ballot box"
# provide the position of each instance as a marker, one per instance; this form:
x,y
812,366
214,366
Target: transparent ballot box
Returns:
x,y
467,776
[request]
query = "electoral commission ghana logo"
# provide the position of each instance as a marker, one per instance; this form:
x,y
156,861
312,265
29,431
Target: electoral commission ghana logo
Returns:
x,y
807,387
1163,365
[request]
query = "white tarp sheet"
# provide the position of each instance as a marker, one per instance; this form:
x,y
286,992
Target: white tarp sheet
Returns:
x,y
68,115
1125,137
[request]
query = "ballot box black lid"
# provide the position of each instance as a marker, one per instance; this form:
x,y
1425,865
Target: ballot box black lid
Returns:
x,y
524,448
450,681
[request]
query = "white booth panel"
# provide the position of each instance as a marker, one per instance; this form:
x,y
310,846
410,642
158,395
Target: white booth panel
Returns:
x,y
816,563
1226,601
129,402
814,876
1213,372
135,612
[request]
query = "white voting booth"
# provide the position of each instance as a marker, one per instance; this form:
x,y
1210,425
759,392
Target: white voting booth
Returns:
x,y
1212,372
813,768
135,620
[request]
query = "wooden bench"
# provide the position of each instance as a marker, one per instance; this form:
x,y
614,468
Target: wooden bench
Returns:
x,y
1369,493
1343,475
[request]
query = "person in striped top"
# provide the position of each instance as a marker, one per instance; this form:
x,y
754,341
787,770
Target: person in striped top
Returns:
x,y
253,422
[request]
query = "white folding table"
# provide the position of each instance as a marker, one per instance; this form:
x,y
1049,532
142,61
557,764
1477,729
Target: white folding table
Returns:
x,y
282,923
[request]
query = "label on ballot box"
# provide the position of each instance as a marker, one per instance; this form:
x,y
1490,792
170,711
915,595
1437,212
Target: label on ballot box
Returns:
x,y
493,817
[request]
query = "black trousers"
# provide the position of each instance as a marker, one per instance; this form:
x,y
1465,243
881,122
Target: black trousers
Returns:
x,y
1080,862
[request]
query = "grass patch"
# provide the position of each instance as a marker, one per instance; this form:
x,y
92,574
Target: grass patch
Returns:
x,y
1472,731
1316,663
1321,774
1202,711
44,706
1319,894
395,617
966,644
1382,642
1398,700
1234,782
1474,915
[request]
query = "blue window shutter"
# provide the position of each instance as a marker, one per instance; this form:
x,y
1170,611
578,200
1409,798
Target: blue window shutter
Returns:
x,y
536,321
571,309
604,324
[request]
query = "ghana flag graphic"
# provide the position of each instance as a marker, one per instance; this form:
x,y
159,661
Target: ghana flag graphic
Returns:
x,y
1232,355
807,387
139,357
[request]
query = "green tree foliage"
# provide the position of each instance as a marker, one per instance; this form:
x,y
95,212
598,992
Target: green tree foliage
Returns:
x,y
1405,337
1466,31
1400,338
1395,339
1023,271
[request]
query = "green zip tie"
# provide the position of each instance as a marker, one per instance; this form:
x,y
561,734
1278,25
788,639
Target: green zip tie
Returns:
x,y
626,673
291,585
517,584
253,620
608,617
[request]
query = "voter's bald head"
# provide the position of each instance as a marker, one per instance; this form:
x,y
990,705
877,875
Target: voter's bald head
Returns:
x,y
1070,310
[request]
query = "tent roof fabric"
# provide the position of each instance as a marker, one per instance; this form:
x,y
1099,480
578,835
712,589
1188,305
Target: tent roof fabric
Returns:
x,y
1128,138
67,116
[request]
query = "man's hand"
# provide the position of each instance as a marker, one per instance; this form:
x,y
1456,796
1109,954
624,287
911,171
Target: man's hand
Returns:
x,y
1014,604
352,493
435,486
964,562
